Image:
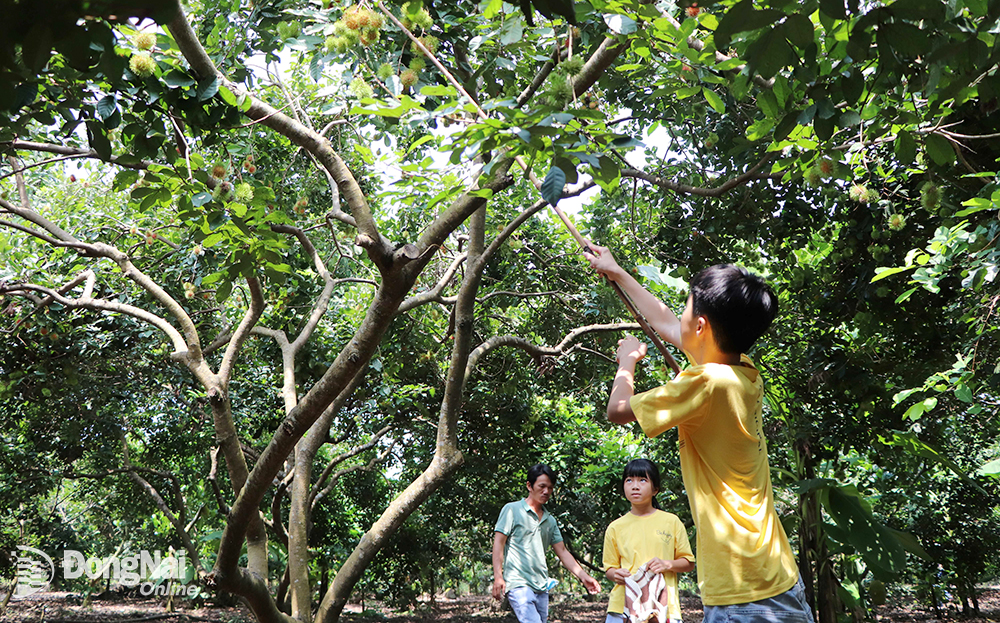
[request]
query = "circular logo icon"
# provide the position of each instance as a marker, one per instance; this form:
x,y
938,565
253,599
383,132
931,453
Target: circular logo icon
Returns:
x,y
34,572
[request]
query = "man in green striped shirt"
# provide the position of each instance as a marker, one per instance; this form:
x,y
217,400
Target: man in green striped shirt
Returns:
x,y
524,532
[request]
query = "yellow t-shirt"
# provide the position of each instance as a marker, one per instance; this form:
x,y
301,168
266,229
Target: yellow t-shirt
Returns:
x,y
631,541
743,551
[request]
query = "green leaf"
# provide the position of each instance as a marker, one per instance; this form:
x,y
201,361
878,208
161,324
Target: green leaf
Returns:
x,y
492,9
741,18
992,468
914,412
223,291
207,88
227,95
24,95
824,127
438,91
568,169
879,548
834,8
316,67
98,138
714,101
976,204
939,149
769,53
852,86
785,126
800,30
552,185
36,46
759,129
910,544
848,119
905,147
178,79
107,106
621,24
963,393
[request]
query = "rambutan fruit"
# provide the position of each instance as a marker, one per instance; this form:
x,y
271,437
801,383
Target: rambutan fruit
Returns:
x,y
408,78
144,40
142,64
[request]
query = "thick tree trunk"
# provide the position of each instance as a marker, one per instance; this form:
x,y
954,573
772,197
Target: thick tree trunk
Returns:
x,y
298,534
440,469
447,457
236,464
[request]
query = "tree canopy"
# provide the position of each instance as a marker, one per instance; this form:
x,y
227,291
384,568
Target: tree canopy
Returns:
x,y
281,287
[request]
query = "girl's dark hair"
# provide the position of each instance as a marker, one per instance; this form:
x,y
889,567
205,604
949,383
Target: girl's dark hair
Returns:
x,y
644,468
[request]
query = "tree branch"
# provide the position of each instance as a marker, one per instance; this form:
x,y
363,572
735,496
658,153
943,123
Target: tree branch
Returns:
x,y
369,237
539,353
340,458
752,174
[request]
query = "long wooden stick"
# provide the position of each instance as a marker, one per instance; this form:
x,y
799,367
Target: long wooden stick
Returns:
x,y
648,330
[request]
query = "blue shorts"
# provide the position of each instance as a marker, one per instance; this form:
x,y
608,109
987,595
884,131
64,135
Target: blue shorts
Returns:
x,y
529,605
788,607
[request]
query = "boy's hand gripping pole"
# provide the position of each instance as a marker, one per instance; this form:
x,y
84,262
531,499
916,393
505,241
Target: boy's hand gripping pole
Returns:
x,y
648,330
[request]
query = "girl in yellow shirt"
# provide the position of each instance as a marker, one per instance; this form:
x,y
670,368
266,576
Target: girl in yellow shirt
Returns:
x,y
645,543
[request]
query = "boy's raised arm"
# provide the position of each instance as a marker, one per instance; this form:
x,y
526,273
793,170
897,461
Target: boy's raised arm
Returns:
x,y
660,317
630,351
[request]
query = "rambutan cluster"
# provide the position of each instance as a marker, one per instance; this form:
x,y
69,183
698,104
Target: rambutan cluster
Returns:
x,y
288,30
820,171
360,89
416,16
862,194
559,88
408,78
244,192
300,206
358,25
430,43
930,197
223,192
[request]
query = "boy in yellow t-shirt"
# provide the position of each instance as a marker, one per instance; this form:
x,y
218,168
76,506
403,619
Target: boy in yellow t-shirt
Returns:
x,y
746,568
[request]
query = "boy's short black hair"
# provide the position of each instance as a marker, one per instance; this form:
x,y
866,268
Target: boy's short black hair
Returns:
x,y
540,469
738,304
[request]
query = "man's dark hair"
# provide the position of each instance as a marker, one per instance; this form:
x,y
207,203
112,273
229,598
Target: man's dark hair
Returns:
x,y
738,304
537,470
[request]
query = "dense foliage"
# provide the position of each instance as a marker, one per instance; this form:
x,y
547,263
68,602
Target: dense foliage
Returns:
x,y
279,287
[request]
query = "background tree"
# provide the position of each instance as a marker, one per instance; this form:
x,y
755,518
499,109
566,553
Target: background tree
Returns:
x,y
340,248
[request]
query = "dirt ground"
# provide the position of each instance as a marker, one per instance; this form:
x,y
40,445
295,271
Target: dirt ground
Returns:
x,y
66,608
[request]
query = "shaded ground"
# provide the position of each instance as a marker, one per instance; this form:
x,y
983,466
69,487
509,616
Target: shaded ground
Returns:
x,y
66,608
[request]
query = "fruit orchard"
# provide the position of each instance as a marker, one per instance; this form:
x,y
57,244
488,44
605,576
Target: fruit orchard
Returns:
x,y
281,287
